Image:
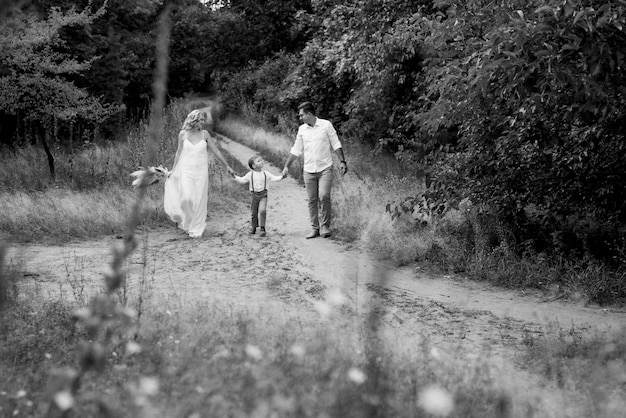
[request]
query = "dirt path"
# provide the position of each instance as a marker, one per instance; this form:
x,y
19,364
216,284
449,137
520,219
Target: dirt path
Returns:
x,y
288,271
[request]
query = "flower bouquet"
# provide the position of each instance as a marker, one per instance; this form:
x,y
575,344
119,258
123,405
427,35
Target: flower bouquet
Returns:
x,y
145,177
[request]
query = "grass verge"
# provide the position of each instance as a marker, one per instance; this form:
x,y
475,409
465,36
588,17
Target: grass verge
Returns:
x,y
214,360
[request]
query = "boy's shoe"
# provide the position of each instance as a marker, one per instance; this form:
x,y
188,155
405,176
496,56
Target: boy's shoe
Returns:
x,y
314,233
262,233
325,232
252,231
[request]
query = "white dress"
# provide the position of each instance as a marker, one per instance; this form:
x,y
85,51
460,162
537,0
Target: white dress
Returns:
x,y
186,189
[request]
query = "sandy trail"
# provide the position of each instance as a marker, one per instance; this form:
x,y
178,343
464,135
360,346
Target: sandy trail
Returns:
x,y
292,273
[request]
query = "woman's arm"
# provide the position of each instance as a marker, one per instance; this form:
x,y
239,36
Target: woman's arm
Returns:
x,y
243,180
181,140
213,148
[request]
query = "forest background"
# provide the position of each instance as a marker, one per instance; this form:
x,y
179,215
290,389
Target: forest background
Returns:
x,y
513,110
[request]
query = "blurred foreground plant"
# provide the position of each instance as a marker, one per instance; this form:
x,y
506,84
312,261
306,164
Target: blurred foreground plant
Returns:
x,y
107,324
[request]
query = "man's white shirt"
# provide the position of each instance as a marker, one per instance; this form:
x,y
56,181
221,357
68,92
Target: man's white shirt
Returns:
x,y
316,143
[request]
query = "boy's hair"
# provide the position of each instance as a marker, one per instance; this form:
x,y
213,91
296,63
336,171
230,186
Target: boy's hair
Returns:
x,y
251,161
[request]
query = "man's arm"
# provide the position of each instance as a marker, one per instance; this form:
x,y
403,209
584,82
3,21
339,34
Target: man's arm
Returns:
x,y
296,150
343,166
290,160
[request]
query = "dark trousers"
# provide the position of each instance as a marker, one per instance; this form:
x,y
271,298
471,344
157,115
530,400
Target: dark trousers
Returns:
x,y
259,208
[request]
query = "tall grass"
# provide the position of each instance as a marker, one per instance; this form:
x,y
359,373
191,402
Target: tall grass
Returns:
x,y
255,361
216,359
60,215
91,195
592,363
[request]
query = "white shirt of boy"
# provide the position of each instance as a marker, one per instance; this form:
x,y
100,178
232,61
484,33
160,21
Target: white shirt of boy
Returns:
x,y
257,179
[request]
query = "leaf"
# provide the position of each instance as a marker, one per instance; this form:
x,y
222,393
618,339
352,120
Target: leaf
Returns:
x,y
509,54
579,15
596,69
544,10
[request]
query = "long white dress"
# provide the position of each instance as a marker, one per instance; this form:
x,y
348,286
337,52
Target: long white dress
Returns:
x,y
186,189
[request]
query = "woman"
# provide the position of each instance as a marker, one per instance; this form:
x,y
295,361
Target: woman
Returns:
x,y
187,187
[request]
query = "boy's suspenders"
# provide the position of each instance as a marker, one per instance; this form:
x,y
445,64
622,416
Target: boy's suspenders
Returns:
x,y
252,180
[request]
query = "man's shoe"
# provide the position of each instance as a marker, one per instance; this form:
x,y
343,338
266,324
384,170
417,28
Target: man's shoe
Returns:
x,y
314,233
252,231
262,233
325,232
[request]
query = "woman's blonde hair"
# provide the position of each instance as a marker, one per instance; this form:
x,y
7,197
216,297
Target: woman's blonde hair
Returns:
x,y
194,119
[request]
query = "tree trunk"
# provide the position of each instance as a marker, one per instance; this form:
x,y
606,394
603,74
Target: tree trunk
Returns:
x,y
43,133
8,127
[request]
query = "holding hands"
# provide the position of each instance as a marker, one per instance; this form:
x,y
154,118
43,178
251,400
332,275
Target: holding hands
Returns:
x,y
343,167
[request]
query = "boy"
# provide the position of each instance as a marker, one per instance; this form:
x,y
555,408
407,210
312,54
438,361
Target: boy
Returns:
x,y
257,179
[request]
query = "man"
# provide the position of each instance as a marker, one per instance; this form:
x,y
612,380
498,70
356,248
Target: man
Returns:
x,y
315,139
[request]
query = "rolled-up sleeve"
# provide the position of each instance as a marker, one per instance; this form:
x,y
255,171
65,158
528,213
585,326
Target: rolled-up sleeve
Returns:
x,y
298,147
333,137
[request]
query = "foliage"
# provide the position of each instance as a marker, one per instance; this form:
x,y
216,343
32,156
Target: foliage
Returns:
x,y
34,78
514,104
270,25
535,101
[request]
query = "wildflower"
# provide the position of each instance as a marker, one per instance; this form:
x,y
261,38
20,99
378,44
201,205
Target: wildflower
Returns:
x,y
20,393
132,348
357,376
64,400
254,352
149,386
435,353
223,352
436,401
285,404
298,350
81,314
336,298
322,308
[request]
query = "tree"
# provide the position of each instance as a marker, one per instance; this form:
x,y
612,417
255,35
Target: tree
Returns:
x,y
34,81
535,95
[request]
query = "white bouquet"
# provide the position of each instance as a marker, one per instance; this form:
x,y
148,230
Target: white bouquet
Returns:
x,y
144,177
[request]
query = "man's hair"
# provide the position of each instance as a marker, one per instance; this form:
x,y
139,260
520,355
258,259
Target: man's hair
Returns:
x,y
307,107
251,161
